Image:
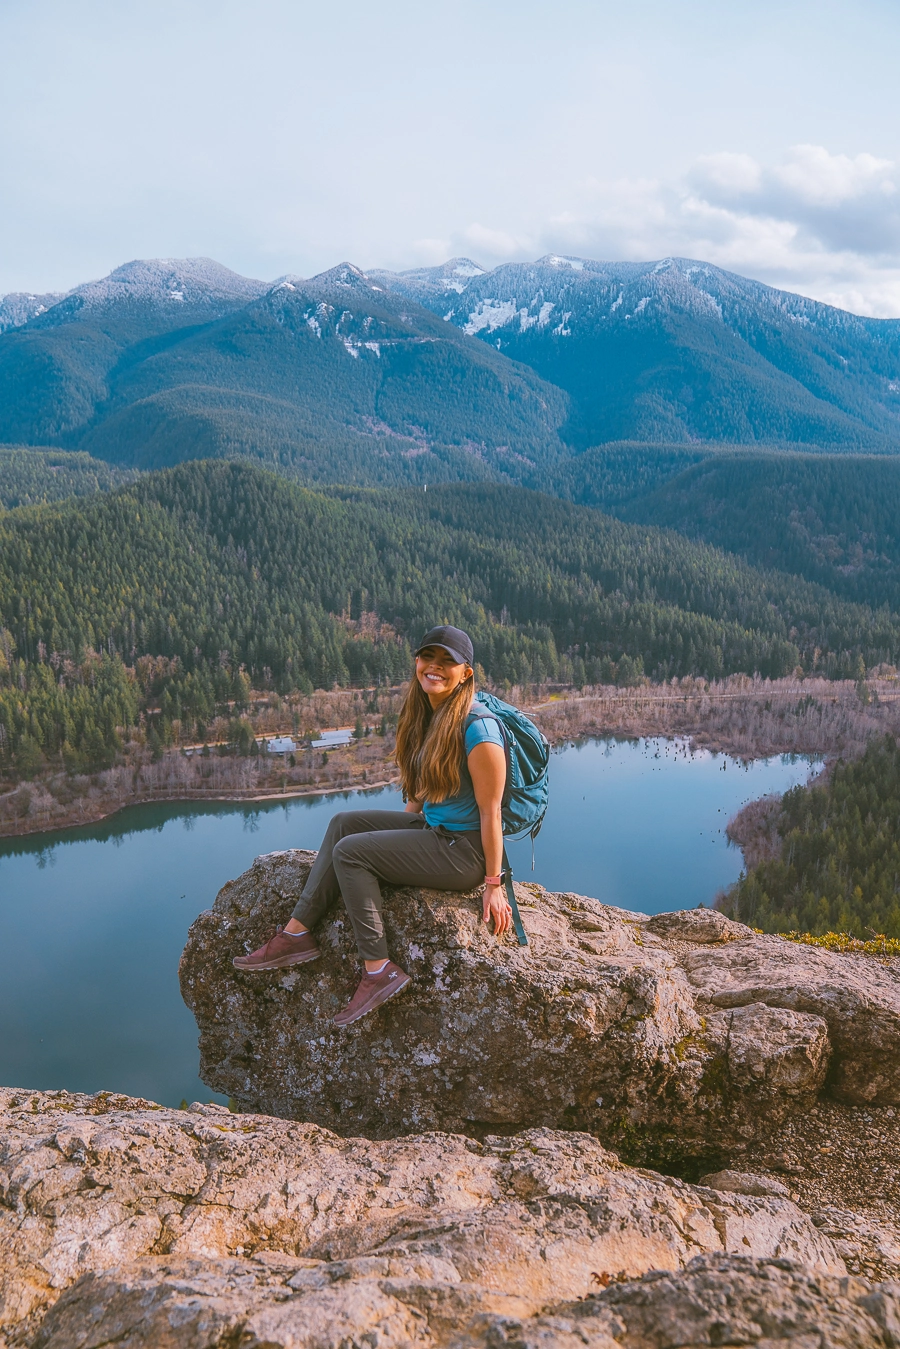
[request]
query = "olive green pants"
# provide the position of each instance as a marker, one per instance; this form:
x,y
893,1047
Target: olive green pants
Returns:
x,y
361,848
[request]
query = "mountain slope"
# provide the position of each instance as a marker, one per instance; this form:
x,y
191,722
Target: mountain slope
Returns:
x,y
677,350
57,368
209,575
19,306
334,378
832,519
209,557
33,477
443,373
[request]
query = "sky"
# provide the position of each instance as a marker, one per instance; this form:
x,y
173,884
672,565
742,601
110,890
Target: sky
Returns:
x,y
286,136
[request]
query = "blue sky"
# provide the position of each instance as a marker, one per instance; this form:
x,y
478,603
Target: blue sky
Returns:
x,y
283,136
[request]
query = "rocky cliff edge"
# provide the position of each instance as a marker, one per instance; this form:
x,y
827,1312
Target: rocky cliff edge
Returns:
x,y
670,1038
125,1223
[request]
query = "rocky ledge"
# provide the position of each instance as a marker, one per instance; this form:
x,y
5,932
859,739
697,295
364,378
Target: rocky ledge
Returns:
x,y
440,1175
674,1039
125,1223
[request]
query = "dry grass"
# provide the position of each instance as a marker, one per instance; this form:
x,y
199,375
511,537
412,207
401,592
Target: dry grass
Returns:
x,y
878,945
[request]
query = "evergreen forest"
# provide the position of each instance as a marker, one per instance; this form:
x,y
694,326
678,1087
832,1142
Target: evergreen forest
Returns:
x,y
30,477
172,595
833,519
839,868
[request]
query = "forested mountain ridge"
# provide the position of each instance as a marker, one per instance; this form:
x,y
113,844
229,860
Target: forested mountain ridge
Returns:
x,y
333,379
210,576
34,477
57,368
833,519
441,374
678,350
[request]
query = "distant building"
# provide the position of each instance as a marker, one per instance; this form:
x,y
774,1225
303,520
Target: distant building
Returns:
x,y
332,739
280,744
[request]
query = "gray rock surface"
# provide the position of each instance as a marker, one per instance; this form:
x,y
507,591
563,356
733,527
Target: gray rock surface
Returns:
x,y
680,1035
144,1226
166,1303
744,1182
705,926
857,997
732,1301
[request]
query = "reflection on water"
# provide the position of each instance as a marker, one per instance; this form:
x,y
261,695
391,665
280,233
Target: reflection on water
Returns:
x,y
91,933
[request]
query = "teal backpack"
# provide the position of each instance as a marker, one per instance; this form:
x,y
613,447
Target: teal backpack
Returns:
x,y
526,793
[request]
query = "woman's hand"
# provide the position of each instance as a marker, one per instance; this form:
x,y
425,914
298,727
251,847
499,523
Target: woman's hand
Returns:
x,y
497,907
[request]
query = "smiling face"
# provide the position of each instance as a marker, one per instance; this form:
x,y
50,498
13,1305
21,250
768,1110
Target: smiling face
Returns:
x,y
438,673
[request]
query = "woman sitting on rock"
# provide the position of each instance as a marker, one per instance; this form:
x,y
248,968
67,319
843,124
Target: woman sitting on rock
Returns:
x,y
450,837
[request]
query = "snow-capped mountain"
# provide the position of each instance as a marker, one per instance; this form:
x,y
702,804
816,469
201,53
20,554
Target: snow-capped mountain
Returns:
x,y
170,358
679,350
19,307
169,284
164,361
579,292
451,277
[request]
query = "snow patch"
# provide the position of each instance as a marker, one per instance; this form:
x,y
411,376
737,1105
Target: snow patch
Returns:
x,y
617,303
639,307
575,263
539,319
713,301
561,330
490,314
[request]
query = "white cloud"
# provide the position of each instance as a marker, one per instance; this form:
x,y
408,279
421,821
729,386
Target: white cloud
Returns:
x,y
432,252
497,243
826,225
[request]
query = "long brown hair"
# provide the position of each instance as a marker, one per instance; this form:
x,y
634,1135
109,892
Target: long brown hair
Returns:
x,y
430,744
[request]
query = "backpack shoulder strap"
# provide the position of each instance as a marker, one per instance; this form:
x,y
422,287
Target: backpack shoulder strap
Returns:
x,y
521,935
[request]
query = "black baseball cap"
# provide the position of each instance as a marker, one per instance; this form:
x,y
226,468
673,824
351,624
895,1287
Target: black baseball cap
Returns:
x,y
454,640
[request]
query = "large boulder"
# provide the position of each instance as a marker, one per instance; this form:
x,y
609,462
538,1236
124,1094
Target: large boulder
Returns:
x,y
592,1026
125,1223
856,997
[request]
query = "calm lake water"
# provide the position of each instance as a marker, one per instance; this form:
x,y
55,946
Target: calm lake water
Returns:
x,y
93,920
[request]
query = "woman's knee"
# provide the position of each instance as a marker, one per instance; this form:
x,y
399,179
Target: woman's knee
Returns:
x,y
347,849
340,825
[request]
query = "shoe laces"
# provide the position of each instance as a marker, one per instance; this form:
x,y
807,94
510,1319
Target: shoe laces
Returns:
x,y
275,934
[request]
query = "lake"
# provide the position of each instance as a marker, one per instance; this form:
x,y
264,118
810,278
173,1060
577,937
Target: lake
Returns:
x,y
93,920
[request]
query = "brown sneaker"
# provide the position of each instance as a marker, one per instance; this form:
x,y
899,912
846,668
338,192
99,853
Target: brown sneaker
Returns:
x,y
280,950
373,990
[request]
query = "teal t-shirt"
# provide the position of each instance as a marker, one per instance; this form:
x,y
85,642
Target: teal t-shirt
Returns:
x,y
460,812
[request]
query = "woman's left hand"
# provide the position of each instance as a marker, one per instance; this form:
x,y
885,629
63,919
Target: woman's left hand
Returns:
x,y
497,907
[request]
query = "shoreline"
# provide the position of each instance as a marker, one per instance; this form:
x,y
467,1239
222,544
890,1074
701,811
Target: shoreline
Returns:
x,y
743,718
172,798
